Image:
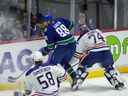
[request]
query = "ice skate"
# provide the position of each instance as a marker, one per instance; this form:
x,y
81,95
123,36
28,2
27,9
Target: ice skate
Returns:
x,y
75,83
82,75
115,80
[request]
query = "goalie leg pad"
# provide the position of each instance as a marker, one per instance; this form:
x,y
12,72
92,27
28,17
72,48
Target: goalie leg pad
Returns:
x,y
113,77
82,74
80,77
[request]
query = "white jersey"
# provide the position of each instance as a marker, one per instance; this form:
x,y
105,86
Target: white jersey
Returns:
x,y
43,80
92,41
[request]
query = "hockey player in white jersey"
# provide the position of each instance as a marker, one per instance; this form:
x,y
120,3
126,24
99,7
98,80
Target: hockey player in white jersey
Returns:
x,y
42,79
92,49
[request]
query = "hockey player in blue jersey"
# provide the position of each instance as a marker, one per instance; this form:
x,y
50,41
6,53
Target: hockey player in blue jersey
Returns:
x,y
59,38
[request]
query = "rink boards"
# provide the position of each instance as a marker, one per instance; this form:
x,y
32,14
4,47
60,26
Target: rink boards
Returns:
x,y
14,57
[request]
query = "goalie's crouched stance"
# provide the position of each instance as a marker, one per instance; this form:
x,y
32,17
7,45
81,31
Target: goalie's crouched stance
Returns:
x,y
42,79
106,60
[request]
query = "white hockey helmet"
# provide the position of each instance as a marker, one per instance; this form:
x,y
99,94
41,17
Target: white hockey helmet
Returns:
x,y
37,56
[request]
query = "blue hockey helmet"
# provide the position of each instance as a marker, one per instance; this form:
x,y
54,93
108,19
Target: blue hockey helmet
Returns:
x,y
48,17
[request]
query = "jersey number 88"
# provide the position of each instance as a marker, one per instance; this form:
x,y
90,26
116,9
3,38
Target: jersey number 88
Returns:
x,y
62,30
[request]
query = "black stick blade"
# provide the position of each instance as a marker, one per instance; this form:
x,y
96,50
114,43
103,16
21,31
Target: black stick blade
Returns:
x,y
11,79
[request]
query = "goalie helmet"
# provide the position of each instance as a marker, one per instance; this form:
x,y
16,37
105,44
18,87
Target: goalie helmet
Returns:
x,y
37,56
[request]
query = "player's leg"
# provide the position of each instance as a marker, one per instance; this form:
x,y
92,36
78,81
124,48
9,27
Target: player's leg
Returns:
x,y
62,55
68,52
110,73
80,77
87,62
71,73
60,52
57,55
82,73
55,58
65,62
114,79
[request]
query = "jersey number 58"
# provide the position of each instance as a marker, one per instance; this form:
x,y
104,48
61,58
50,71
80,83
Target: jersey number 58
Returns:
x,y
46,83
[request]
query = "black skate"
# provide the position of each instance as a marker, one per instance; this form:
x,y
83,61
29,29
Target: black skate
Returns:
x,y
114,80
119,86
82,78
75,83
82,75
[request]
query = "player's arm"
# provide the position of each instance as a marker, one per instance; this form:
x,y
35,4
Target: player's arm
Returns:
x,y
49,38
47,49
60,72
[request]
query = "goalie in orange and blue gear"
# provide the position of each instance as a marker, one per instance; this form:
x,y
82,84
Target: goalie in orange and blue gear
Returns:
x,y
93,44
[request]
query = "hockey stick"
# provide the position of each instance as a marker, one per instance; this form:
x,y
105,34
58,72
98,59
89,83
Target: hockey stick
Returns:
x,y
12,79
81,60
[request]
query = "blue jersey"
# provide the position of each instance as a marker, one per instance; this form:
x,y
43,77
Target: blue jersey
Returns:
x,y
58,38
58,33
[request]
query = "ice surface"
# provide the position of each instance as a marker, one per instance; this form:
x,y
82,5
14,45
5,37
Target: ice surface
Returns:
x,y
91,87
